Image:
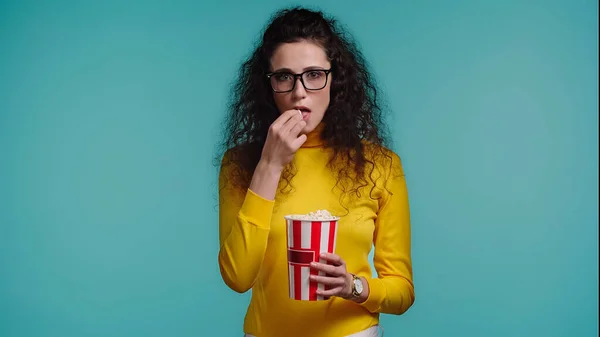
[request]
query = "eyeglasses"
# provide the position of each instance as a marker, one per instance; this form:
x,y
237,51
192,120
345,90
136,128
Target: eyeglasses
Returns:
x,y
314,79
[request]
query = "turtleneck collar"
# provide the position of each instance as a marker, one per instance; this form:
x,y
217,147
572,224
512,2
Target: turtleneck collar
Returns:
x,y
313,139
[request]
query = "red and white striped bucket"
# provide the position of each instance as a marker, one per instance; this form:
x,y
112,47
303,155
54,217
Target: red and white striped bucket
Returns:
x,y
306,239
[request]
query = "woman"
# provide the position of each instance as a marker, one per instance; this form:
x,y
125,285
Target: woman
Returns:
x,y
304,134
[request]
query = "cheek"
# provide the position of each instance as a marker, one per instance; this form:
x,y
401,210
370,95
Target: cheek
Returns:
x,y
324,100
281,101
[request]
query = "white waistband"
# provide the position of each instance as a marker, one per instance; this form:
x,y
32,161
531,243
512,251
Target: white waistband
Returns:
x,y
370,332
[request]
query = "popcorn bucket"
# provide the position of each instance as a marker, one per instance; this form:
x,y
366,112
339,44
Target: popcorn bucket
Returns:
x,y
306,240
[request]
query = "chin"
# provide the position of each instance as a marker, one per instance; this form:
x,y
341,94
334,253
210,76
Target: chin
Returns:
x,y
308,129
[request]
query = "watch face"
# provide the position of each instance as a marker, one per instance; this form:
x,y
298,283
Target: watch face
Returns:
x,y
358,285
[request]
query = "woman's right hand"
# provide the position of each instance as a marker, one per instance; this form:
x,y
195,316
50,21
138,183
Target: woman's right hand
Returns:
x,y
279,149
282,139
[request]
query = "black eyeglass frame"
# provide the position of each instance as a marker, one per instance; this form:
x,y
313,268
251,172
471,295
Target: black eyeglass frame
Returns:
x,y
296,76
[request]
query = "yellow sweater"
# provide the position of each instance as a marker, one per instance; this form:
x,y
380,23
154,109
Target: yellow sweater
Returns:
x,y
253,249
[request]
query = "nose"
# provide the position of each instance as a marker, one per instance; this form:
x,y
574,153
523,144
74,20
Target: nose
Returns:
x,y
299,90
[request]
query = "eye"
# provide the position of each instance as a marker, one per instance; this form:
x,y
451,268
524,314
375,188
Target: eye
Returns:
x,y
314,74
282,77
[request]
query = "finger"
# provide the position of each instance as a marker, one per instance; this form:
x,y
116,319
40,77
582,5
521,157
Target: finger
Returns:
x,y
328,269
297,143
281,120
297,128
330,281
338,291
291,122
333,258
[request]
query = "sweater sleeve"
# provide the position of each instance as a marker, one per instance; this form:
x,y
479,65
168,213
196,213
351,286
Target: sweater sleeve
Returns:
x,y
392,291
244,225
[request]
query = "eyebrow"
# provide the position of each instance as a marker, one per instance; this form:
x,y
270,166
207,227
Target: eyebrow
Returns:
x,y
303,70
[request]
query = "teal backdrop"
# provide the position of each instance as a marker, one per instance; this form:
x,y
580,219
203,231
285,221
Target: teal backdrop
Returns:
x,y
109,116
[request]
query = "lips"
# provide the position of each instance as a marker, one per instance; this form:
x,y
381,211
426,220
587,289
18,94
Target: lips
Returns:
x,y
302,108
305,112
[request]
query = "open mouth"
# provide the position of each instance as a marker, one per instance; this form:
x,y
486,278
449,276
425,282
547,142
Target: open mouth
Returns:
x,y
304,110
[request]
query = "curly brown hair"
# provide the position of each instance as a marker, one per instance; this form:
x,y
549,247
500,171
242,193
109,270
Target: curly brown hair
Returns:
x,y
353,123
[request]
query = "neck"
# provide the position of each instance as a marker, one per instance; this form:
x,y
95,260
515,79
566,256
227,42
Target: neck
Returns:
x,y
313,138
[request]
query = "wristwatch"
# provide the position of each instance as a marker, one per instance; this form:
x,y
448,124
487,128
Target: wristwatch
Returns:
x,y
357,286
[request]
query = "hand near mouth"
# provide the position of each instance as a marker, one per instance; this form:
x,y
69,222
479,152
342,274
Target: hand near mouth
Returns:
x,y
284,139
304,111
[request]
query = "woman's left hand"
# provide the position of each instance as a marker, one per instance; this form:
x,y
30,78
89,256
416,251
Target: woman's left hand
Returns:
x,y
336,276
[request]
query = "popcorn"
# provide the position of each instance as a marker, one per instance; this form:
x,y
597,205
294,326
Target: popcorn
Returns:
x,y
319,215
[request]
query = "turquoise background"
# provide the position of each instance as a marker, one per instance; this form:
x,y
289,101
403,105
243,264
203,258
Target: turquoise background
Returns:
x,y
109,115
